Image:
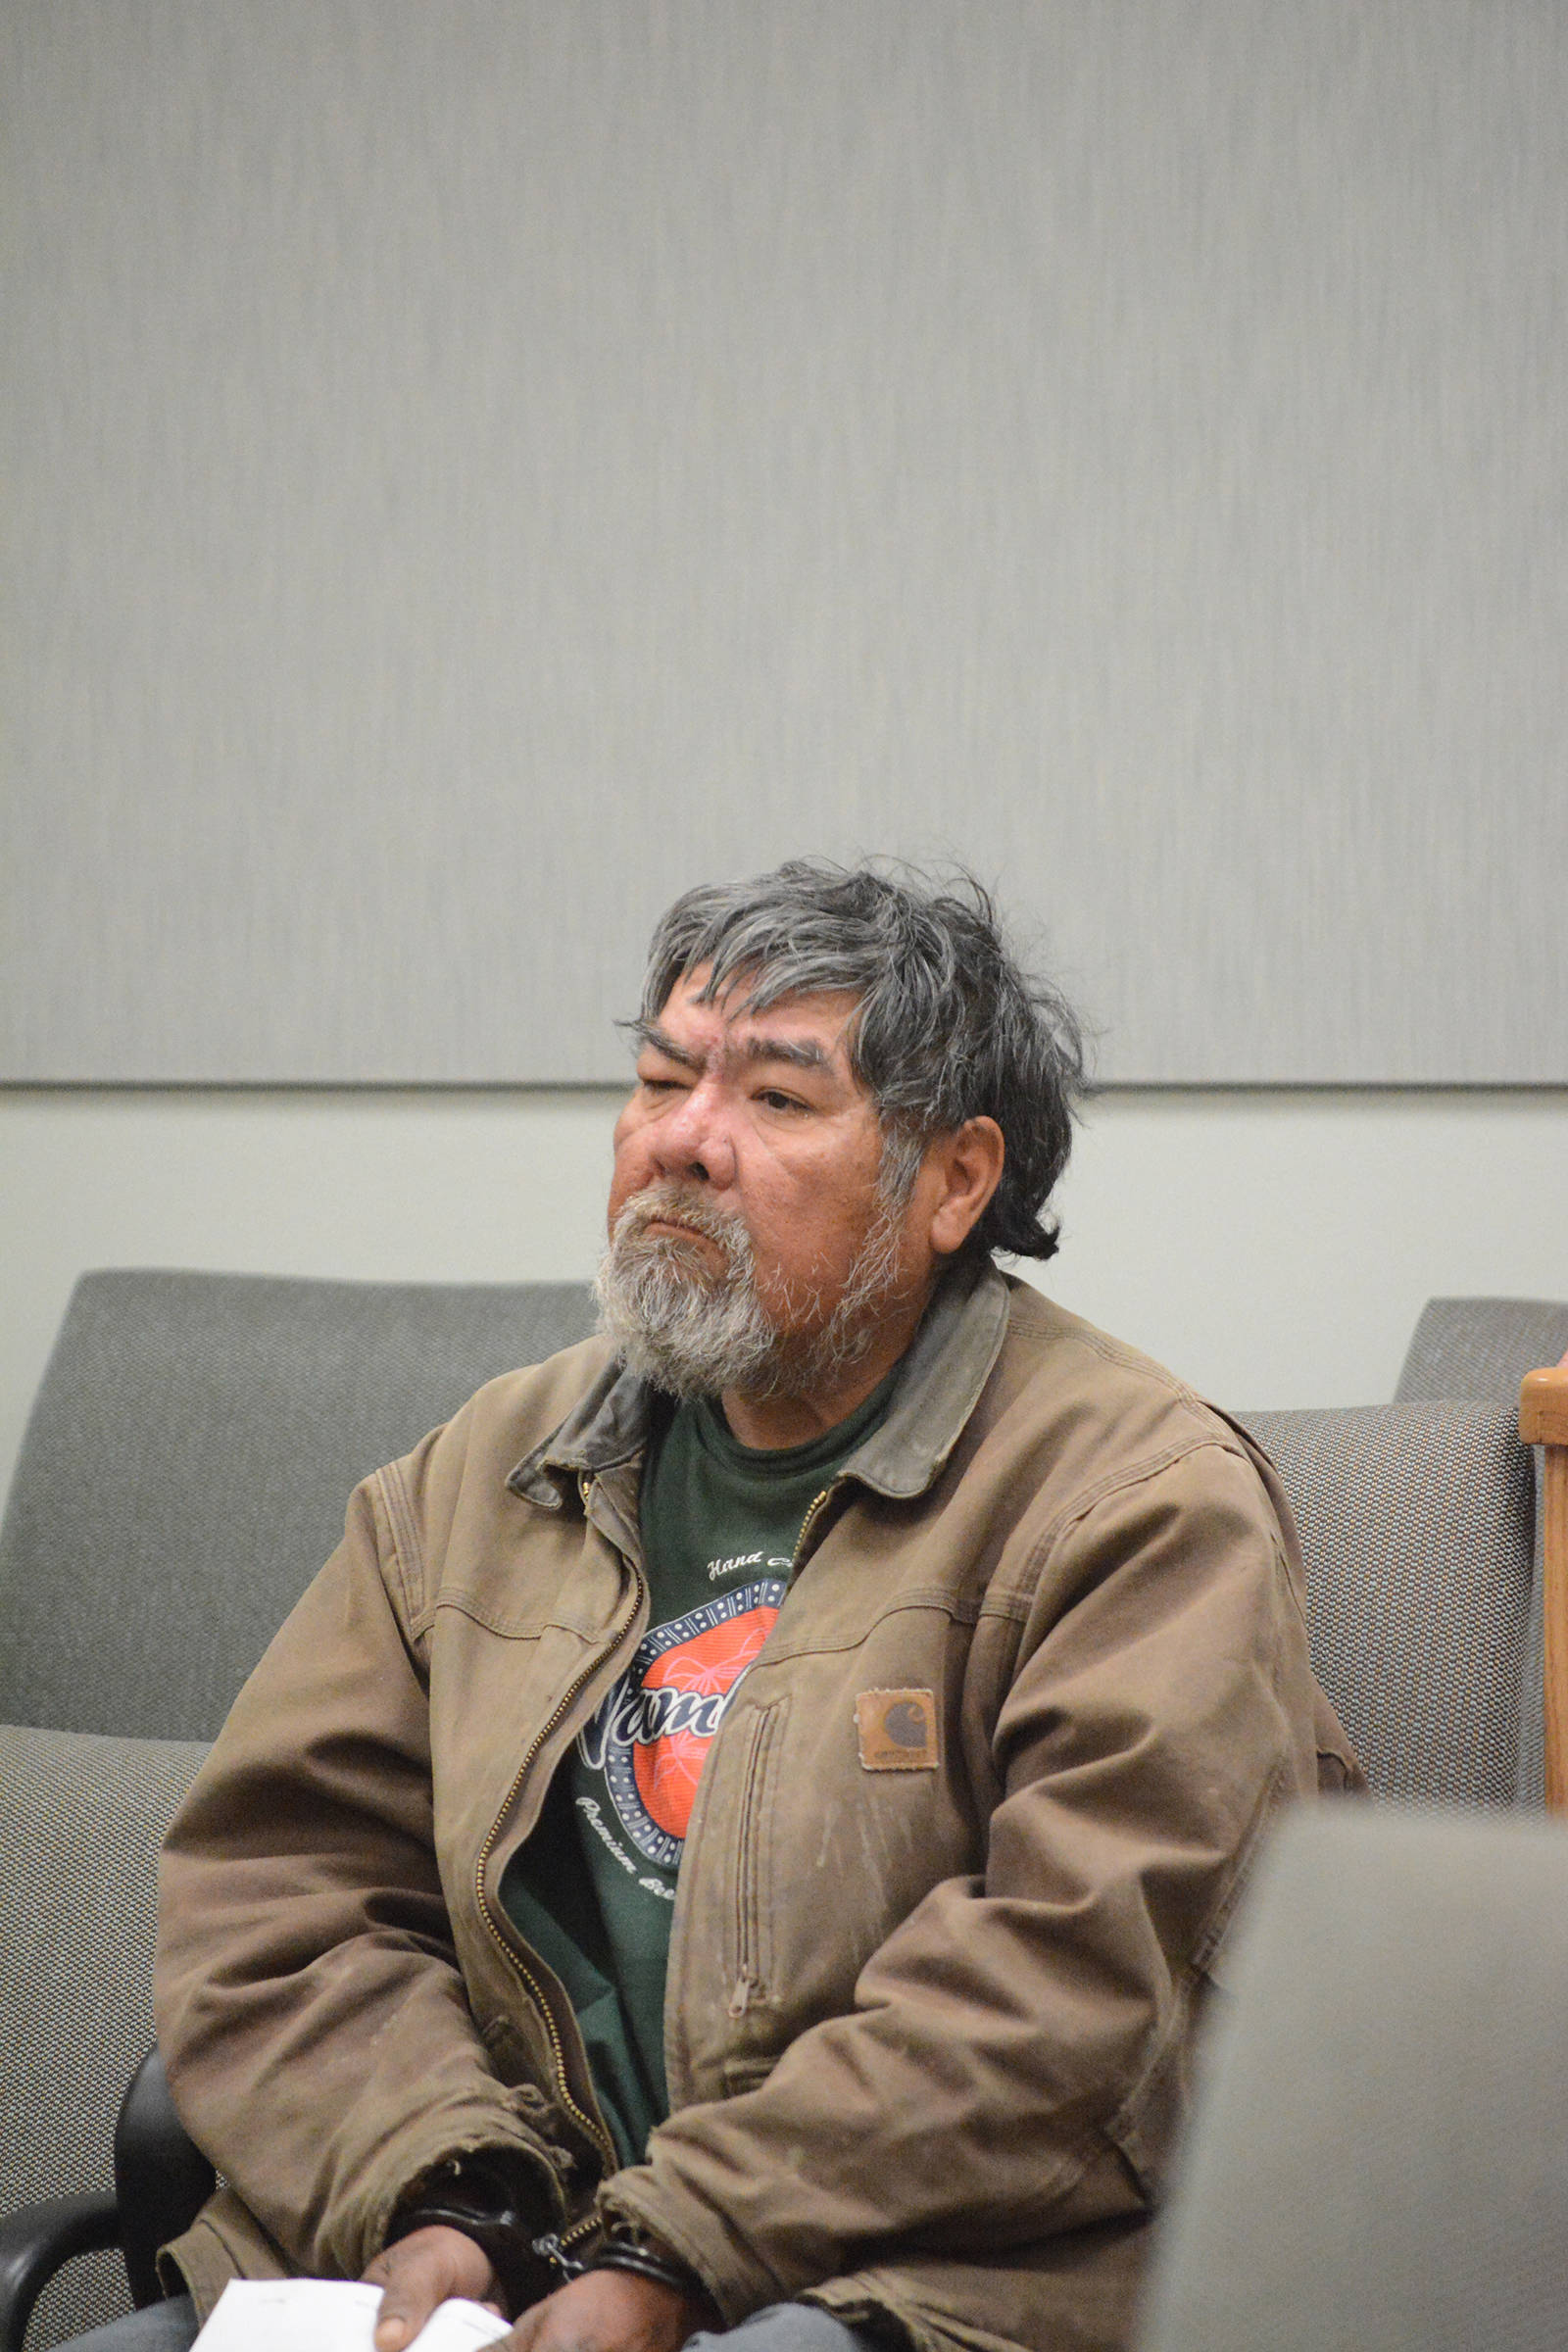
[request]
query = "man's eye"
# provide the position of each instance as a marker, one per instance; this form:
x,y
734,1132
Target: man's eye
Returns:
x,y
776,1100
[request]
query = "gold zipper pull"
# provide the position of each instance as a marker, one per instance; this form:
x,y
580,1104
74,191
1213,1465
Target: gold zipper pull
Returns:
x,y
555,2247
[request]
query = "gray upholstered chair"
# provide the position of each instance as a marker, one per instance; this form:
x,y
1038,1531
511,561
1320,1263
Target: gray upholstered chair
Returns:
x,y
1483,1347
1378,2156
1377,2153
183,1475
1417,1526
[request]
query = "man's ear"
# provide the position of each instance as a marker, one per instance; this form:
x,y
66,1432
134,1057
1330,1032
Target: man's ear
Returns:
x,y
968,1164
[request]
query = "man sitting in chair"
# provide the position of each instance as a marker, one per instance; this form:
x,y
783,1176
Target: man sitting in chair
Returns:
x,y
737,1835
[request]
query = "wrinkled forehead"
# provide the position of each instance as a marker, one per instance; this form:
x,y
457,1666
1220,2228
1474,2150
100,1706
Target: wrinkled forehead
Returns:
x,y
738,1021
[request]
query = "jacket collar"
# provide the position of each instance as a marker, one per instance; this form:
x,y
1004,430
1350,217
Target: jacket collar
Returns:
x,y
947,1365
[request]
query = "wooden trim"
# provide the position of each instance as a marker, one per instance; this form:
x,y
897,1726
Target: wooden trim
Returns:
x,y
1543,1422
1543,1407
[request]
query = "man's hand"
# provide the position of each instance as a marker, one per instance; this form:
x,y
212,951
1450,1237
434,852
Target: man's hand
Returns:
x,y
610,2311
422,2271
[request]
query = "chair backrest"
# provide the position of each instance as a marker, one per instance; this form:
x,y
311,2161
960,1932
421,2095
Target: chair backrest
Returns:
x,y
1481,1346
1377,2155
1484,1348
1417,1526
188,1463
81,1818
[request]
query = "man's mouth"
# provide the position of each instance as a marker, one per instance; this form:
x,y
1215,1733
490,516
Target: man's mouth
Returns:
x,y
673,1229
682,1234
672,1220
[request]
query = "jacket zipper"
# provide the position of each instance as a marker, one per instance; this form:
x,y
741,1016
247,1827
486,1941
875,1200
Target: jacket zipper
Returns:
x,y
554,2245
806,1525
594,2130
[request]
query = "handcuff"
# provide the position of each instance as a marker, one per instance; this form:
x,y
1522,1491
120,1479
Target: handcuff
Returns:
x,y
624,2246
479,2196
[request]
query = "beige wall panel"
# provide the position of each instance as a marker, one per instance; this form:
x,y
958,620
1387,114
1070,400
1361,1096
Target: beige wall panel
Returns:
x,y
473,469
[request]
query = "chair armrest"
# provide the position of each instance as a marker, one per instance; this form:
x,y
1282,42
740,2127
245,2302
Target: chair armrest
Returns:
x,y
41,2239
1544,1405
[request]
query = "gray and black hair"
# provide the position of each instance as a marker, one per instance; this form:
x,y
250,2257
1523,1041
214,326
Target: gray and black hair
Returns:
x,y
950,1027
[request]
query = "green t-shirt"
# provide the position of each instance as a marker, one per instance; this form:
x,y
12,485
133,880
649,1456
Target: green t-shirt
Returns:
x,y
720,1523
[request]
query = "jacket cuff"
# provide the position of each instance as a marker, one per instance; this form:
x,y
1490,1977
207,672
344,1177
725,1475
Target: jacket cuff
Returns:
x,y
732,2297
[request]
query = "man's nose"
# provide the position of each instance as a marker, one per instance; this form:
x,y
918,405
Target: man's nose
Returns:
x,y
694,1139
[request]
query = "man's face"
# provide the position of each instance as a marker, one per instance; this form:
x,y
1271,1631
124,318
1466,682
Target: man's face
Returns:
x,y
746,1211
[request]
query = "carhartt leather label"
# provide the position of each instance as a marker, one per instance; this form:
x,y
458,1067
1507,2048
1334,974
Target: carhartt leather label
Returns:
x,y
897,1730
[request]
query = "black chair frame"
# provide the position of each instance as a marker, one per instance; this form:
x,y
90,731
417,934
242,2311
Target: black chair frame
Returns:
x,y
162,2180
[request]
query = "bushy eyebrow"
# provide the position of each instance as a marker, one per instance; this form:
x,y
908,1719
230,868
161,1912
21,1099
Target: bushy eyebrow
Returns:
x,y
649,1033
799,1052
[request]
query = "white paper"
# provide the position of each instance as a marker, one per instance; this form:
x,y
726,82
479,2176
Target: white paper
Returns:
x,y
331,2315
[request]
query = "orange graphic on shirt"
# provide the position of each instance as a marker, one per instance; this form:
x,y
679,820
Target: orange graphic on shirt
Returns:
x,y
669,1768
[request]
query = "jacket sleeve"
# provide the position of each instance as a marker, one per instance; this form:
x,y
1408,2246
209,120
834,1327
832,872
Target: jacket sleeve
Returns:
x,y
1015,2062
305,1949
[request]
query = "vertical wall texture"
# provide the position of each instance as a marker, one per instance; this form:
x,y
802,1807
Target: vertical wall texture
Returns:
x,y
475,470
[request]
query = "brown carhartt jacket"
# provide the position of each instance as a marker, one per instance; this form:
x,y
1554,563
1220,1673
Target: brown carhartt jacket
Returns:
x,y
964,1847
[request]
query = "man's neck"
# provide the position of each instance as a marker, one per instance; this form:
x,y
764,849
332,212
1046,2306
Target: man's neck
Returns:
x,y
775,1421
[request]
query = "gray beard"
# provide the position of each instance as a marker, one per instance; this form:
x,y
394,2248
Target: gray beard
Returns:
x,y
694,1333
